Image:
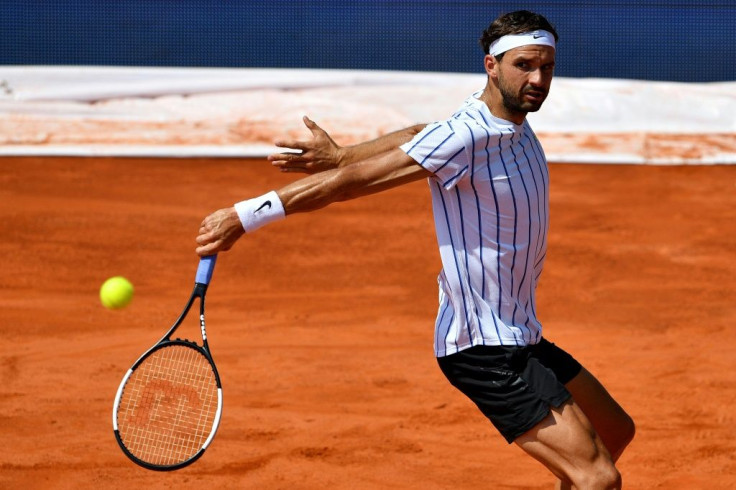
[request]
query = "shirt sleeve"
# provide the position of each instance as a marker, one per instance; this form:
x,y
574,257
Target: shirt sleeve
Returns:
x,y
441,150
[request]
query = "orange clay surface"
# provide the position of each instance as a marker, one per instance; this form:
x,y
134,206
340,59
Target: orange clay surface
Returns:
x,y
321,326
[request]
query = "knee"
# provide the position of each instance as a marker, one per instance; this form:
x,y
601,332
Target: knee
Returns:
x,y
599,471
603,475
609,478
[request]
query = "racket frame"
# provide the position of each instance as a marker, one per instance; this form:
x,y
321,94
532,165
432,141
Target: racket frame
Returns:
x,y
204,274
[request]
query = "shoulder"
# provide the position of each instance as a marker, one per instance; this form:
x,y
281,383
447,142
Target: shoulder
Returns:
x,y
437,144
475,128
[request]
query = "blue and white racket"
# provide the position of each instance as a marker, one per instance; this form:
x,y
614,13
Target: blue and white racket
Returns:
x,y
168,406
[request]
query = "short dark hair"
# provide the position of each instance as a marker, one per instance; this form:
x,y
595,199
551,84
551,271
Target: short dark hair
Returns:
x,y
514,23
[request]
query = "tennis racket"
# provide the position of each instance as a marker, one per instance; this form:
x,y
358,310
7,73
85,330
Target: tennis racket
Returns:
x,y
168,406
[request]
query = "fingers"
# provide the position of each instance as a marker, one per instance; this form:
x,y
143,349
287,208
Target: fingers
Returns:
x,y
295,167
204,237
292,162
218,232
206,250
212,249
206,241
295,144
302,145
210,244
288,157
312,126
315,155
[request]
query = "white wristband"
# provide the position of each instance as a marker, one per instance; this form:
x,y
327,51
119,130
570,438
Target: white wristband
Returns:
x,y
260,211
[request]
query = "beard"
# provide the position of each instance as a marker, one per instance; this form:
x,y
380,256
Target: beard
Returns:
x,y
516,102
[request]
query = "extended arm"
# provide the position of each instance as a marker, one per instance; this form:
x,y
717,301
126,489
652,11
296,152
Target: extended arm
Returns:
x,y
322,153
220,230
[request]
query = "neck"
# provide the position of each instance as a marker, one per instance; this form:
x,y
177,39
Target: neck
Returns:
x,y
492,97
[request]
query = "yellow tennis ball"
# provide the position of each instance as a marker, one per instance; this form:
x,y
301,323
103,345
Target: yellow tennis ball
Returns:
x,y
116,293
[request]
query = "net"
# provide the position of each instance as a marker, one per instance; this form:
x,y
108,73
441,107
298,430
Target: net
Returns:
x,y
168,406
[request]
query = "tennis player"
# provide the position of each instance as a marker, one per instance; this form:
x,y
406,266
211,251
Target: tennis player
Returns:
x,y
490,195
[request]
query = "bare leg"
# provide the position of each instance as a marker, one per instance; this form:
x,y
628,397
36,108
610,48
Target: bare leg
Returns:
x,y
614,426
566,443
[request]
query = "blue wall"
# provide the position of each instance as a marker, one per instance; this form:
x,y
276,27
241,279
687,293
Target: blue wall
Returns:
x,y
645,39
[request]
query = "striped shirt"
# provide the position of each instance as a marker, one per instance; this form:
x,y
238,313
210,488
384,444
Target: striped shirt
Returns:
x,y
491,210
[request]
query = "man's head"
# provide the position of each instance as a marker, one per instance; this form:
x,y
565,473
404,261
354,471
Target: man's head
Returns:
x,y
519,22
520,62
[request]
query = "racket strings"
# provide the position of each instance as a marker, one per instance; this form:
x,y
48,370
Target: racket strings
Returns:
x,y
168,406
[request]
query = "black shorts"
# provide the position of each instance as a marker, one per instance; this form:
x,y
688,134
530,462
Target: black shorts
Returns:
x,y
513,386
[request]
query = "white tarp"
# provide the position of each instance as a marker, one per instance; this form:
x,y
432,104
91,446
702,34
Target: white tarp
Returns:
x,y
133,111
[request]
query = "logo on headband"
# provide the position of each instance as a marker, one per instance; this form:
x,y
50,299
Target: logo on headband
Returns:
x,y
511,41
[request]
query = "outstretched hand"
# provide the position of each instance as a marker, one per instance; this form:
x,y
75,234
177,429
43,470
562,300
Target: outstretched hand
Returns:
x,y
219,231
315,155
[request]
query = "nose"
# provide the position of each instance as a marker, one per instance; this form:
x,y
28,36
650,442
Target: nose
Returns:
x,y
536,78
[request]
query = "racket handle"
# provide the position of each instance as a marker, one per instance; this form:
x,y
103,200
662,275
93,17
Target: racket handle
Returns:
x,y
205,269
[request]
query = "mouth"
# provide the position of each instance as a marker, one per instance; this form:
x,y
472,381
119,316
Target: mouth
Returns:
x,y
535,96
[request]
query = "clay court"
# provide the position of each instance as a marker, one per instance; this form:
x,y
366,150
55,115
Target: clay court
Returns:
x,y
321,326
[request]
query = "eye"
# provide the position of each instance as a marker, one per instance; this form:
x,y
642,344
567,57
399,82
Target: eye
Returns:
x,y
523,65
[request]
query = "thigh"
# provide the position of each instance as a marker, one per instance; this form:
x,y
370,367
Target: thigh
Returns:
x,y
567,444
614,426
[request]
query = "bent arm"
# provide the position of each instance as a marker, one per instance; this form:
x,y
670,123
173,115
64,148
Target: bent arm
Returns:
x,y
321,153
220,230
387,170
362,151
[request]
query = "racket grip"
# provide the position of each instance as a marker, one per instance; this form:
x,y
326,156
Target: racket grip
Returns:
x,y
205,269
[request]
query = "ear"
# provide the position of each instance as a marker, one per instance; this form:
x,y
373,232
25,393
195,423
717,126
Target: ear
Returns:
x,y
491,66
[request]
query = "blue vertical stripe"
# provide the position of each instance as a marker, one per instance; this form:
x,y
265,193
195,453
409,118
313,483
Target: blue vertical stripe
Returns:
x,y
541,165
449,325
498,229
529,232
454,256
480,220
513,257
539,155
541,210
544,217
440,319
467,265
540,213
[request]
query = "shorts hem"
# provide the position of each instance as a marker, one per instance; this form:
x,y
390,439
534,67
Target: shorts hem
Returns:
x,y
556,403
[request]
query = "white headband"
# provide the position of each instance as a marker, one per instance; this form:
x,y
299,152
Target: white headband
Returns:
x,y
511,41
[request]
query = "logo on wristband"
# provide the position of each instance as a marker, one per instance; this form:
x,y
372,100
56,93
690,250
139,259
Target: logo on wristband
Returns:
x,y
267,203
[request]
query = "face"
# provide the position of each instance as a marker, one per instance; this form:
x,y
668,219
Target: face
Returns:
x,y
524,77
